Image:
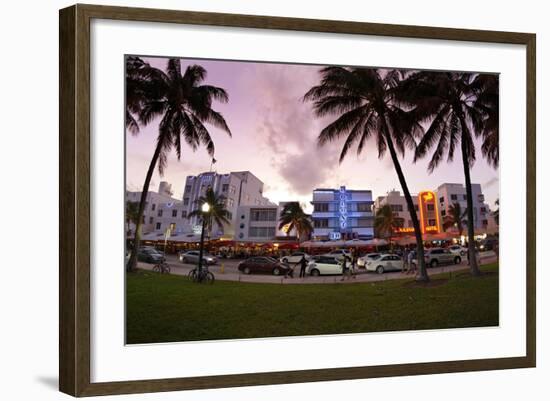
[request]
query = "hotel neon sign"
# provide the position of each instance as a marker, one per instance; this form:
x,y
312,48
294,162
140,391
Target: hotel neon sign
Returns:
x,y
425,198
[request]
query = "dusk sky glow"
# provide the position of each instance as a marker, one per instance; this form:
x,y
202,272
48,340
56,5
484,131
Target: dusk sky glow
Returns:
x,y
275,137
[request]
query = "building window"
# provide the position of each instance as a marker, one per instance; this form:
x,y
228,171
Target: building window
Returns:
x,y
153,207
157,226
441,200
430,207
485,222
150,220
431,222
261,232
175,213
230,215
364,222
232,189
363,207
464,197
185,201
320,207
263,215
396,208
443,212
454,197
483,209
187,188
225,187
320,223
230,202
183,214
159,213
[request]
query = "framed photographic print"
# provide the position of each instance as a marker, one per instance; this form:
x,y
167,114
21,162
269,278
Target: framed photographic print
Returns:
x,y
250,200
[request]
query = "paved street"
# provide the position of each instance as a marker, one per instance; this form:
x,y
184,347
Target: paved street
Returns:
x,y
226,269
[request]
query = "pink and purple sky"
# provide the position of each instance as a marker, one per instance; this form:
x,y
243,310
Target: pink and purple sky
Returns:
x,y
274,137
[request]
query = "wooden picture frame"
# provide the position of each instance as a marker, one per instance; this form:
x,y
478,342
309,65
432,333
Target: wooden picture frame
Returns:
x,y
74,204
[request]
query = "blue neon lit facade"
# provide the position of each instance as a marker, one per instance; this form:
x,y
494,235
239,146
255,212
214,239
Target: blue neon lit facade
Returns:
x,y
342,214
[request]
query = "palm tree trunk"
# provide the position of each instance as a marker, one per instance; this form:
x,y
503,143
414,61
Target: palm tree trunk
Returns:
x,y
474,269
423,274
137,236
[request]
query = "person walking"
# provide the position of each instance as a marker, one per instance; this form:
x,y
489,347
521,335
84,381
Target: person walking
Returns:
x,y
405,266
411,267
303,266
345,268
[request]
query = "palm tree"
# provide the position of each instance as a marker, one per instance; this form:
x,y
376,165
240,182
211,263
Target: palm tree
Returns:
x,y
486,86
448,102
364,99
217,213
386,223
184,105
294,217
132,215
455,218
497,211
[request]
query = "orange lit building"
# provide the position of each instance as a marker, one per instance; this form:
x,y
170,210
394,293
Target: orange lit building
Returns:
x,y
426,207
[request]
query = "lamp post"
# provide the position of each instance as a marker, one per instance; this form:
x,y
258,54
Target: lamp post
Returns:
x,y
205,208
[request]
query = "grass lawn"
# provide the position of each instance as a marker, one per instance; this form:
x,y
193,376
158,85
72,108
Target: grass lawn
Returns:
x,y
164,308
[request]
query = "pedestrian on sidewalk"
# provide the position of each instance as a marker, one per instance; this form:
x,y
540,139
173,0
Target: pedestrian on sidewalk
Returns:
x,y
405,266
303,266
411,268
346,271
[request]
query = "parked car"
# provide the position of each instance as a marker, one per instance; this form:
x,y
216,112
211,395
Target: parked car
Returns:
x,y
149,255
362,261
295,257
263,264
322,265
385,263
193,257
458,250
338,253
439,256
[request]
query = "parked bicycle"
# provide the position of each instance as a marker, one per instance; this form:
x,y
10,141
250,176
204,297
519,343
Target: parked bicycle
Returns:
x,y
162,268
204,276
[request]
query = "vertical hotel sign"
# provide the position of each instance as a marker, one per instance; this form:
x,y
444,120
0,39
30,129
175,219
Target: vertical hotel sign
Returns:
x,y
427,205
343,208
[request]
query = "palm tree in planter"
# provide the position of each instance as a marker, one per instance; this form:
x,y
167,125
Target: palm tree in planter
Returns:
x,y
293,217
217,213
455,217
448,103
132,215
386,223
365,103
184,105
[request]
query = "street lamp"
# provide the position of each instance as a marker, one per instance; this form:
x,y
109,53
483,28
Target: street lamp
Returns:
x,y
205,208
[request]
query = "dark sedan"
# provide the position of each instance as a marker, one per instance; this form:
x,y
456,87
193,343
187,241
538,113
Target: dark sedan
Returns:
x,y
149,255
263,264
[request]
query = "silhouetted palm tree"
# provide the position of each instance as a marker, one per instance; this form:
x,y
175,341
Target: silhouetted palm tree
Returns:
x,y
386,223
294,217
486,87
496,212
448,102
455,217
364,99
132,215
184,105
217,214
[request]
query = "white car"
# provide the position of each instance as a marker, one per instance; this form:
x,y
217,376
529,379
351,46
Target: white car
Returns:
x,y
362,261
458,250
385,263
323,265
295,257
338,254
